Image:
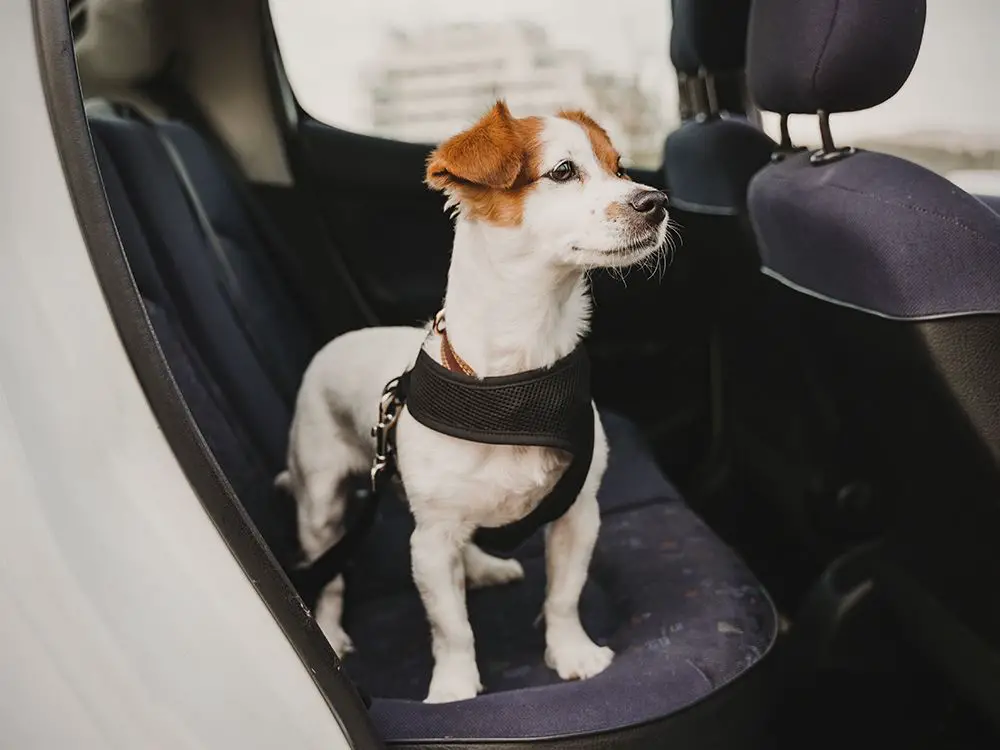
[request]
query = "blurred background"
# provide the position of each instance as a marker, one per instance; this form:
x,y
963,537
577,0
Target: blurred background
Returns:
x,y
420,71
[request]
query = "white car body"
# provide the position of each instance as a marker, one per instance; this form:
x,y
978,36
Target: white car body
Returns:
x,y
126,621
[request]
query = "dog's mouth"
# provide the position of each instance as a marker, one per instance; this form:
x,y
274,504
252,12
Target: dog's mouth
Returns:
x,y
633,251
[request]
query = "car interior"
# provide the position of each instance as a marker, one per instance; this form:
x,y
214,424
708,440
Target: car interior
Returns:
x,y
798,518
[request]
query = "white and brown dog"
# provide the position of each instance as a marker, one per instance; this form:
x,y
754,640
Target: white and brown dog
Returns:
x,y
538,201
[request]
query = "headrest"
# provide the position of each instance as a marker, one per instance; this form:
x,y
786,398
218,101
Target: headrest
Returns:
x,y
831,55
710,34
125,42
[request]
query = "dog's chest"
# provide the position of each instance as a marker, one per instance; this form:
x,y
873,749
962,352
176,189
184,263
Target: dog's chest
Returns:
x,y
471,483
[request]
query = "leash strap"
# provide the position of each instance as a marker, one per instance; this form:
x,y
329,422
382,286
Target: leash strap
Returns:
x,y
309,580
547,408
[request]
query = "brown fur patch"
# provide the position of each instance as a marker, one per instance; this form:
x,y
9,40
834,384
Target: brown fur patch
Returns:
x,y
616,210
604,150
490,167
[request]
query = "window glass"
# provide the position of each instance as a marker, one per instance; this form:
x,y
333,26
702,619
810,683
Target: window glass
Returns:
x,y
947,115
422,71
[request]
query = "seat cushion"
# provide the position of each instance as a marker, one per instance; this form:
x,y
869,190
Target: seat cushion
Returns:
x,y
681,610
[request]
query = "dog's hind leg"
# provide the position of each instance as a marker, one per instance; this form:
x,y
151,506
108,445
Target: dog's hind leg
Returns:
x,y
319,477
482,569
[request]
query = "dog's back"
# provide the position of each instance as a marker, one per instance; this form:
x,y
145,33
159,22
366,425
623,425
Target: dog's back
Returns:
x,y
336,407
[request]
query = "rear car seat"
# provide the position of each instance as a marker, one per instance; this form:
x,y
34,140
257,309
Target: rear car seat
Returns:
x,y
893,290
689,622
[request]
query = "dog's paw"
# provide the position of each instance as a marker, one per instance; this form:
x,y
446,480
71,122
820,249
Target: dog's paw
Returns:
x,y
453,683
335,634
492,571
340,641
578,658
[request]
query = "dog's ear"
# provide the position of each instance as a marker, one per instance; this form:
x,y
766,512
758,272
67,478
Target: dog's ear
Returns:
x,y
490,154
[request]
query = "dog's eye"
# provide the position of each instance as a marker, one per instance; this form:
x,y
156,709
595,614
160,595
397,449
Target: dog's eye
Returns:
x,y
563,171
619,170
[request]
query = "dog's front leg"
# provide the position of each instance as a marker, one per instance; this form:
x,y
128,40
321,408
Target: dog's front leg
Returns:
x,y
569,545
439,574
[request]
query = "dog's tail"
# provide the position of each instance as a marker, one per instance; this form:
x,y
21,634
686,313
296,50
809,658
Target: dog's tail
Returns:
x,y
283,481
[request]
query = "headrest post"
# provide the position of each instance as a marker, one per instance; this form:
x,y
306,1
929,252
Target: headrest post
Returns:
x,y
785,147
684,103
829,151
826,137
711,95
786,138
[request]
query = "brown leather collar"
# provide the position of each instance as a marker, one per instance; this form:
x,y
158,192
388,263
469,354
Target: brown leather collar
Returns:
x,y
449,357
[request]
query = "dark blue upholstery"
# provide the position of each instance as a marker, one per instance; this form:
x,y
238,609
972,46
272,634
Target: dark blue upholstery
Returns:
x,y
833,55
242,460
869,231
914,398
683,611
877,233
683,614
709,164
710,34
183,260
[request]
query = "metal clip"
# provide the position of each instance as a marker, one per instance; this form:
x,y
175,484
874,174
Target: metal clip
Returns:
x,y
389,407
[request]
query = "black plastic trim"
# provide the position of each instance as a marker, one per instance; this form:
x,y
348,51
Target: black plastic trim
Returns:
x,y
967,661
57,65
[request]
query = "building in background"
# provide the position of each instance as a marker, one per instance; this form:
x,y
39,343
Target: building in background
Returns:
x,y
434,83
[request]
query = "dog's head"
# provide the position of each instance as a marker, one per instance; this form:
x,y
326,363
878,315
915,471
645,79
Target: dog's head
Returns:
x,y
557,181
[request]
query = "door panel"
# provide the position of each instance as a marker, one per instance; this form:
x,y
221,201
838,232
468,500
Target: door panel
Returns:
x,y
390,228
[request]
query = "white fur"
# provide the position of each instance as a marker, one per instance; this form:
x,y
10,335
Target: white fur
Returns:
x,y
517,299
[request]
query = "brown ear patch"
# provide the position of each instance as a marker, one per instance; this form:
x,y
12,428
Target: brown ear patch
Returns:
x,y
490,167
607,155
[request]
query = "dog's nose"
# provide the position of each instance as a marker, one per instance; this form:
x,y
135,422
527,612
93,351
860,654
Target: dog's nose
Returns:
x,y
651,203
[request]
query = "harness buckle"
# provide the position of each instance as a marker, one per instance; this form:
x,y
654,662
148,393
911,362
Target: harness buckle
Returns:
x,y
389,408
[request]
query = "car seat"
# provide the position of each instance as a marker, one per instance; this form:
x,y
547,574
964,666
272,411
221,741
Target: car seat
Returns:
x,y
694,630
891,279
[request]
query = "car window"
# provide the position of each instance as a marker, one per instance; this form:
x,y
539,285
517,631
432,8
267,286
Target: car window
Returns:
x,y
947,115
421,71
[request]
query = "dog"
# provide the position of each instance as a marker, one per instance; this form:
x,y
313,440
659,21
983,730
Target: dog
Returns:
x,y
538,202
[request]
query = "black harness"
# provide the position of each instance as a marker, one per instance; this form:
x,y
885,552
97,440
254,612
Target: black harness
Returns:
x,y
548,408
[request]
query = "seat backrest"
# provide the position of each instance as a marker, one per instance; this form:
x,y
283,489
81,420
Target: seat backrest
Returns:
x,y
187,266
893,283
242,406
